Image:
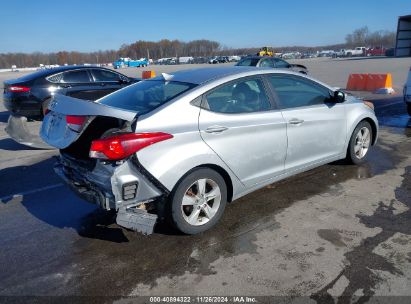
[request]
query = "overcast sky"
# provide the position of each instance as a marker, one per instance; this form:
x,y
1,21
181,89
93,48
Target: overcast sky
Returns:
x,y
82,25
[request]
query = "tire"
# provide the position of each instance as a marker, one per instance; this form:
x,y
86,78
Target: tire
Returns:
x,y
409,108
359,146
197,215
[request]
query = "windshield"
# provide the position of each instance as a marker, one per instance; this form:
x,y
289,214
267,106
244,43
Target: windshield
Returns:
x,y
145,96
248,62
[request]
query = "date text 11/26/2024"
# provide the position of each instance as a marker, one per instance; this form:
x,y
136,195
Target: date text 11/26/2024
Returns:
x,y
203,299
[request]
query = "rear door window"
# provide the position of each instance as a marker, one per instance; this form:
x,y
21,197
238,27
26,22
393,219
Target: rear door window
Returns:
x,y
242,96
281,64
105,76
266,63
80,76
248,62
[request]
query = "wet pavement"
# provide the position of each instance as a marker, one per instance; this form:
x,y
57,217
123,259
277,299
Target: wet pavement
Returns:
x,y
330,234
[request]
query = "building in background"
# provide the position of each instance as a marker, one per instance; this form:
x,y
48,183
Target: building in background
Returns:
x,y
403,42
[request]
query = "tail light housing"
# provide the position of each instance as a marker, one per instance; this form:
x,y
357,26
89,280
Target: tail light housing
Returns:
x,y
75,122
122,146
18,89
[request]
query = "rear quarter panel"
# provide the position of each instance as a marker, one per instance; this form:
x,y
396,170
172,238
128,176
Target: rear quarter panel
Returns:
x,y
171,159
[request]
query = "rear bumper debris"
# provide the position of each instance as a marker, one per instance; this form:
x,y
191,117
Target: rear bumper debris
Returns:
x,y
113,187
24,132
136,219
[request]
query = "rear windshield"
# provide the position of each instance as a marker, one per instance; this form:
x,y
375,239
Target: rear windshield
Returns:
x,y
248,62
147,95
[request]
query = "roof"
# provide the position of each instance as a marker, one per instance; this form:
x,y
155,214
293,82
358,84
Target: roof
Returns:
x,y
258,57
70,67
202,75
54,70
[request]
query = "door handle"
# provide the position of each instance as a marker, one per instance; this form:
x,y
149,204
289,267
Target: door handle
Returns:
x,y
295,121
216,129
66,86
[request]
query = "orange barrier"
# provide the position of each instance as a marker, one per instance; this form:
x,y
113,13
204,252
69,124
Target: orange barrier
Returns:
x,y
148,74
379,83
357,82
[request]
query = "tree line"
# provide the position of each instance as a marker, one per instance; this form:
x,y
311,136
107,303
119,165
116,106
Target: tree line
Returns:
x,y
177,48
138,49
364,37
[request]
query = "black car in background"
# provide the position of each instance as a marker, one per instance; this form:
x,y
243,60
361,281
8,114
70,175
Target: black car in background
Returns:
x,y
29,95
271,62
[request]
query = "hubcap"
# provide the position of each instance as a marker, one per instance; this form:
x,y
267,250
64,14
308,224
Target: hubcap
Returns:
x,y
362,142
201,202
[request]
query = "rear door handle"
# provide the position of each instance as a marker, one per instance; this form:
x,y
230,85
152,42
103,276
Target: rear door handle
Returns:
x,y
216,129
295,121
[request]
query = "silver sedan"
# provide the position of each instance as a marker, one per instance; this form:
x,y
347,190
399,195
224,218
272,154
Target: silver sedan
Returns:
x,y
181,146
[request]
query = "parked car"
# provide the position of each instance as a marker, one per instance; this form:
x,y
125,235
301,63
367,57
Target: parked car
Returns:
x,y
339,53
376,51
218,59
407,93
326,53
27,97
358,51
181,146
272,62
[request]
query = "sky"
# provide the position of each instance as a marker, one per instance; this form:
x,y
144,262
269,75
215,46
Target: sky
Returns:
x,y
87,25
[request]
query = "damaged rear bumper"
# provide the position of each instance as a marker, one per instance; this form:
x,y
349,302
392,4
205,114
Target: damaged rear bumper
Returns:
x,y
114,186
25,132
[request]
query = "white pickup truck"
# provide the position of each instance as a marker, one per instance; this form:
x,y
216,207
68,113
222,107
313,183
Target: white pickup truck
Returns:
x,y
358,51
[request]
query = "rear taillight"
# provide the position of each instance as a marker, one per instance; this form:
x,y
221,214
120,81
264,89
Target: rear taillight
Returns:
x,y
75,122
18,89
122,146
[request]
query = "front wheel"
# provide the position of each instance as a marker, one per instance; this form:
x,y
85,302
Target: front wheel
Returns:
x,y
198,202
360,143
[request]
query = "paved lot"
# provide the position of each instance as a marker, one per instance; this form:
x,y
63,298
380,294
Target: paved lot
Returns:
x,y
333,231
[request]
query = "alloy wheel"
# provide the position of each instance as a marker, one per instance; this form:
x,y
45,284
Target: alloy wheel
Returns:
x,y
201,202
362,142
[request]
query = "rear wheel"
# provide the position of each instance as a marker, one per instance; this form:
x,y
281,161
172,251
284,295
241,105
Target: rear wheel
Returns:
x,y
198,201
409,108
360,143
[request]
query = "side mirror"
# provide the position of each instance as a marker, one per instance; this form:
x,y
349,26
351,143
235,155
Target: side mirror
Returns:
x,y
339,96
124,80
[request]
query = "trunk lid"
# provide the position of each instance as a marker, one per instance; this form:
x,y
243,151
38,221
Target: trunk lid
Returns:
x,y
57,132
